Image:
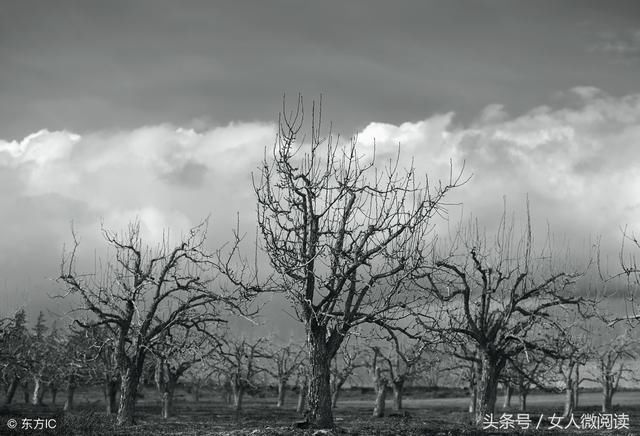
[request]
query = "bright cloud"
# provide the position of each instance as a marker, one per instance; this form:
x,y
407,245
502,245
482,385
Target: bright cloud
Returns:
x,y
578,164
166,177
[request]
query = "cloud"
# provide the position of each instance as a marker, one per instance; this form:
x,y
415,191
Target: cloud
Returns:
x,y
578,165
624,44
168,177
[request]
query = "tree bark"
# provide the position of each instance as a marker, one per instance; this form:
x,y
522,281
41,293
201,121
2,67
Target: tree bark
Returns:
x,y
71,389
568,402
473,400
569,395
111,390
167,396
238,396
334,397
507,395
319,396
282,391
487,388
54,393
523,400
196,393
398,388
25,391
11,390
38,392
473,388
607,398
380,384
302,395
576,388
130,380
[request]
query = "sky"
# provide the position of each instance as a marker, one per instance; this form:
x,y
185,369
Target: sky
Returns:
x,y
160,110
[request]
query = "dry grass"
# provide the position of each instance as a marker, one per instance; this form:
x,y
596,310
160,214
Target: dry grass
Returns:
x,y
260,417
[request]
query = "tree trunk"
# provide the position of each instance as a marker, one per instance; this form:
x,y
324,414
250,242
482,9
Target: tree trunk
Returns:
x,y
568,402
397,395
607,398
334,397
111,390
507,395
71,389
26,391
169,390
523,400
569,396
319,396
54,393
302,395
11,390
282,390
38,392
473,388
68,404
473,400
196,393
487,388
238,396
576,388
381,395
129,382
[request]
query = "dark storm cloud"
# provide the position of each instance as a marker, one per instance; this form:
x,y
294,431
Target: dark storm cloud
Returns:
x,y
88,66
160,110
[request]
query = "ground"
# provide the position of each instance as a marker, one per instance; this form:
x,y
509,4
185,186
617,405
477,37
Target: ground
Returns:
x,y
260,417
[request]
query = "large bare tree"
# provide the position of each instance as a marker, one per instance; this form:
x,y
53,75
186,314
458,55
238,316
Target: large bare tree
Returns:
x,y
342,233
498,295
140,294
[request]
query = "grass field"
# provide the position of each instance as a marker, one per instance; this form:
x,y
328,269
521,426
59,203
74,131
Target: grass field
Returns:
x,y
210,416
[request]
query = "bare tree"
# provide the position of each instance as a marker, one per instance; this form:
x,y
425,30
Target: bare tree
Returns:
x,y
78,363
45,360
179,348
198,376
611,353
14,351
495,296
142,293
349,358
285,360
342,236
242,359
403,362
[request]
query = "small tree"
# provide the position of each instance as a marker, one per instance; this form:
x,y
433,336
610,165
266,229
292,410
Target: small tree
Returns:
x,y
242,360
14,350
198,376
345,363
180,347
403,362
45,359
141,294
285,360
610,351
342,236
